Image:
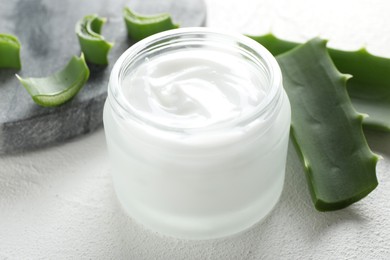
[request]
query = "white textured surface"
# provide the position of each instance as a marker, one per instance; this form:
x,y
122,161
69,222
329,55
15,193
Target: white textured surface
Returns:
x,y
58,203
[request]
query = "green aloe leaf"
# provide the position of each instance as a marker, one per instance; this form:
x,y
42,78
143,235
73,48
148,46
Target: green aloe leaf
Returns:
x,y
142,26
60,87
93,45
9,52
275,45
369,89
325,128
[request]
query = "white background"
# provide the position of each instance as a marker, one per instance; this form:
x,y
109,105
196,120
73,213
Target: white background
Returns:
x,y
58,203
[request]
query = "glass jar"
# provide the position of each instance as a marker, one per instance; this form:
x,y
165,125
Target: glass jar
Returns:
x,y
198,181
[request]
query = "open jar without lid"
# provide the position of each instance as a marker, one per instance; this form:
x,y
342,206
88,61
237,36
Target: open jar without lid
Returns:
x,y
197,126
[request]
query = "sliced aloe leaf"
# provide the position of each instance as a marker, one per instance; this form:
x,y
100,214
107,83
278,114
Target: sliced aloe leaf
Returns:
x,y
369,88
60,87
9,52
141,26
92,43
327,131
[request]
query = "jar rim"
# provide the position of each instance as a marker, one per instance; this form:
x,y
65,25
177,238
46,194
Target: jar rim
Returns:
x,y
117,97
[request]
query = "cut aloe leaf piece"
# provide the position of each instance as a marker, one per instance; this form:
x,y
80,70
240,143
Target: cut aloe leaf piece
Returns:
x,y
369,89
325,128
92,43
9,52
60,87
141,26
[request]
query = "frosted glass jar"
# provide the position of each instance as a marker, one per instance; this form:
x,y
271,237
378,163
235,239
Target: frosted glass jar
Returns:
x,y
182,164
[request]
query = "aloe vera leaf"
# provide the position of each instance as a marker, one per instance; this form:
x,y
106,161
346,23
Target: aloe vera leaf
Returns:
x,y
326,129
273,44
369,89
59,87
9,52
92,43
141,26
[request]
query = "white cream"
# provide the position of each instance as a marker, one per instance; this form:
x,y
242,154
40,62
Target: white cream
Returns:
x,y
194,88
197,128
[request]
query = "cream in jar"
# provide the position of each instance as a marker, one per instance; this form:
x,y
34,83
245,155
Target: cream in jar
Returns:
x,y
194,88
197,126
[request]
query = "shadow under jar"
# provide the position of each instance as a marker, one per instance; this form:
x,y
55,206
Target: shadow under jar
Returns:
x,y
197,126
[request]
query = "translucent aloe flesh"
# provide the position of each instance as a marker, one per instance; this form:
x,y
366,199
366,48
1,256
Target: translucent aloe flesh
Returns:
x,y
326,129
92,43
369,88
142,26
59,87
9,52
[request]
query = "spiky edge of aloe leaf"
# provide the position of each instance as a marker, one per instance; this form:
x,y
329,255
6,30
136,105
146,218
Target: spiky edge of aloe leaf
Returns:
x,y
92,43
59,87
326,129
369,88
9,52
141,26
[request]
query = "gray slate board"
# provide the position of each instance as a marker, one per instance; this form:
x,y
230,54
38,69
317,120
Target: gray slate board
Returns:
x,y
45,29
